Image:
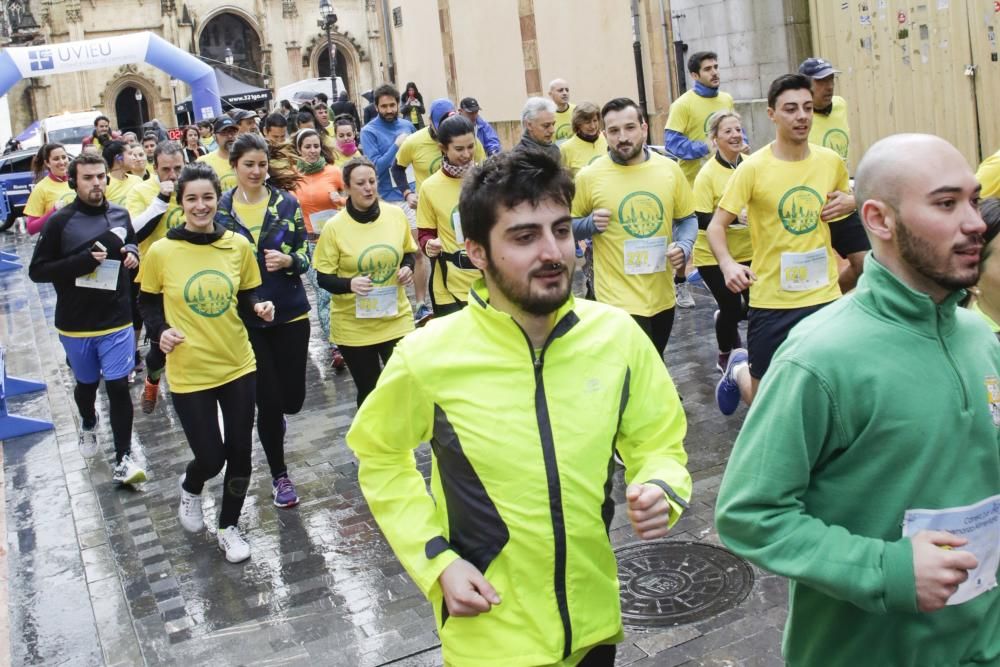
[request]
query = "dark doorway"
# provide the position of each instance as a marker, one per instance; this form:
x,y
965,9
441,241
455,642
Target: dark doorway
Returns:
x,y
323,66
130,112
229,31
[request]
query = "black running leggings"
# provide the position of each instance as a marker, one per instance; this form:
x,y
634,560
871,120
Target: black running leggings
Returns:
x,y
365,364
732,307
119,407
281,353
657,327
198,412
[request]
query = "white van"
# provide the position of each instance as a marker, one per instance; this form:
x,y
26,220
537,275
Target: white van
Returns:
x,y
69,129
303,91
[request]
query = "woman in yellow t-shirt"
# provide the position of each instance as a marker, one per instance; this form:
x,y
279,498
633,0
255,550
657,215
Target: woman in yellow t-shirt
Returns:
x,y
985,296
51,191
195,283
345,146
725,132
320,196
120,181
365,257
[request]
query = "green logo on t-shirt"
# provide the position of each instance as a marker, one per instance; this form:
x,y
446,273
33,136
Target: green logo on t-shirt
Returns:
x,y
174,217
228,181
799,209
435,165
564,132
379,262
641,214
209,293
836,140
593,159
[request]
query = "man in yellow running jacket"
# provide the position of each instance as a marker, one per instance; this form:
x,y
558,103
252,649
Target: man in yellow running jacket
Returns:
x,y
524,396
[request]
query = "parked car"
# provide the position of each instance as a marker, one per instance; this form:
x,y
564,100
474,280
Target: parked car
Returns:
x,y
69,129
16,182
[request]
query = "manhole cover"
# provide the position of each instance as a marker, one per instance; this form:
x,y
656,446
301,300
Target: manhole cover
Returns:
x,y
671,583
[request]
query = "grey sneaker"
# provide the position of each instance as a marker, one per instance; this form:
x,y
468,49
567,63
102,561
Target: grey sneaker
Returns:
x,y
88,441
236,548
127,472
189,511
684,298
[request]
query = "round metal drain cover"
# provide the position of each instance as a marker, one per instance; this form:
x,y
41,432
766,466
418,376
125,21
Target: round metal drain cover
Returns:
x,y
671,583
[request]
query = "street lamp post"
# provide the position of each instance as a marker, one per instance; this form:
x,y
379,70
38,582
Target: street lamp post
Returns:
x,y
138,103
228,58
328,19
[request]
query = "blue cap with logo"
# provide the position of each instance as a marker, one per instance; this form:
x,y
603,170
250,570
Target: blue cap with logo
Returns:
x,y
223,122
441,108
817,68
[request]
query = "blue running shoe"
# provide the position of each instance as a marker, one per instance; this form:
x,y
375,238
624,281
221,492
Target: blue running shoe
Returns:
x,y
284,492
727,392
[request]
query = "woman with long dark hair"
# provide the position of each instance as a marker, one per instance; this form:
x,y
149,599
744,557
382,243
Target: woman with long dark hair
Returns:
x,y
271,219
197,284
365,257
191,141
50,167
411,105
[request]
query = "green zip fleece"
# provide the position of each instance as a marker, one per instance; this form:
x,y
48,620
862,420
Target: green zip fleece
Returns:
x,y
877,404
522,464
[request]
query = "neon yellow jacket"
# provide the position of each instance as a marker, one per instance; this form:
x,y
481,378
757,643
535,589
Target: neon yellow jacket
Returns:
x,y
522,444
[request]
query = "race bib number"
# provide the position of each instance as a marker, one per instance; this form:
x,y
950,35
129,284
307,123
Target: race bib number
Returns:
x,y
456,224
980,525
104,277
802,271
380,302
645,255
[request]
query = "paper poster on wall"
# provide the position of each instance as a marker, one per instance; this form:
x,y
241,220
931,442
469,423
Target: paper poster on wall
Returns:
x,y
942,4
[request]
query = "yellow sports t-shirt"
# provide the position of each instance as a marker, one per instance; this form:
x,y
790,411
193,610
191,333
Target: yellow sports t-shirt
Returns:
x,y
138,200
199,284
438,210
689,115
577,153
794,262
118,189
832,130
631,269
708,188
251,215
422,151
45,195
564,124
348,248
224,170
988,176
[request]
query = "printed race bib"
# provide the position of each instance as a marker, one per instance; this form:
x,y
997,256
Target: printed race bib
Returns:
x,y
380,302
803,271
456,224
980,524
645,255
104,277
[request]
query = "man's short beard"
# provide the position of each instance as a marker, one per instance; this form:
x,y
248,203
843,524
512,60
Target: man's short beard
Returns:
x,y
916,252
523,299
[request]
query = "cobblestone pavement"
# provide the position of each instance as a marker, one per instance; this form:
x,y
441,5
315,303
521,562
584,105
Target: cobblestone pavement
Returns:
x,y
101,575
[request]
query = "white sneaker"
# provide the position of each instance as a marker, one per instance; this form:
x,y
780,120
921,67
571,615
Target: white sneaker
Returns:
x,y
88,441
189,511
684,298
236,548
127,472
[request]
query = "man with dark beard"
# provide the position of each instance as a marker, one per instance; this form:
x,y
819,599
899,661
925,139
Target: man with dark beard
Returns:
x,y
868,471
102,135
640,211
514,538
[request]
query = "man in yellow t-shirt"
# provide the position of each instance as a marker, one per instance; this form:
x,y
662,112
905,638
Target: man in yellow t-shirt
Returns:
x,y
638,207
226,130
686,133
830,129
784,188
559,93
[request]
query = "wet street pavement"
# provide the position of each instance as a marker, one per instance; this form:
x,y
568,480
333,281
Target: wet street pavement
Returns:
x,y
100,575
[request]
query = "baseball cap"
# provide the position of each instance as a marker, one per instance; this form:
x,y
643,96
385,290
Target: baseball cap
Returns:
x,y
223,122
243,114
441,108
817,68
469,104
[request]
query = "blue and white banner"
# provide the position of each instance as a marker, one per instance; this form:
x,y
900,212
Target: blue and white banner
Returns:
x,y
75,56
